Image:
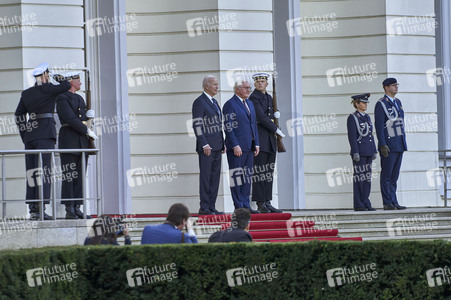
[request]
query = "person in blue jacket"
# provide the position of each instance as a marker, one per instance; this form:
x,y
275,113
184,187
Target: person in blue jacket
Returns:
x,y
170,232
391,136
363,151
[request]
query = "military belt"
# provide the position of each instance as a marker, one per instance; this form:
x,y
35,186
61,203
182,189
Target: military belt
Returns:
x,y
43,116
65,124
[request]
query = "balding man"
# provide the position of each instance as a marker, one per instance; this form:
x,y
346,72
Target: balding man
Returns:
x,y
242,143
207,125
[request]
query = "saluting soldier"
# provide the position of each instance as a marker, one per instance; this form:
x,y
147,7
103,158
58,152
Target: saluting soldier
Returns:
x,y
264,162
391,136
363,151
74,134
37,131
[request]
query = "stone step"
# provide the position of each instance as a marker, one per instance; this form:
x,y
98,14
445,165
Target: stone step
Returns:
x,y
446,237
394,231
336,215
379,223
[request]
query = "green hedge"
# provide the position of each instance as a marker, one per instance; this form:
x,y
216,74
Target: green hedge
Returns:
x,y
201,271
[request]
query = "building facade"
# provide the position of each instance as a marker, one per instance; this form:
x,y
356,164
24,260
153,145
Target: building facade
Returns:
x,y
147,59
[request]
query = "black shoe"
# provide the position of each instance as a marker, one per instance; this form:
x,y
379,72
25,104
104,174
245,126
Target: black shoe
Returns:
x,y
47,217
389,207
254,211
216,212
272,208
70,213
399,206
79,213
360,209
35,216
262,208
371,209
205,212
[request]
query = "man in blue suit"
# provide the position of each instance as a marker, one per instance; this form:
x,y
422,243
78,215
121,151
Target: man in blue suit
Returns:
x,y
389,121
242,143
170,232
207,125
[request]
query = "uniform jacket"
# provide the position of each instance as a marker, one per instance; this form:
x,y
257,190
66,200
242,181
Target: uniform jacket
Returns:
x,y
239,126
71,110
207,124
365,146
266,128
392,134
38,99
165,234
233,235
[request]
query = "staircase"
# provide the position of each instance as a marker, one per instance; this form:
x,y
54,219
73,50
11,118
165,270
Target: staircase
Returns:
x,y
263,228
411,224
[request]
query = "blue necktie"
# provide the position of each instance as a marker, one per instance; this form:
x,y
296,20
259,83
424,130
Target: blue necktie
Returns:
x,y
396,104
216,105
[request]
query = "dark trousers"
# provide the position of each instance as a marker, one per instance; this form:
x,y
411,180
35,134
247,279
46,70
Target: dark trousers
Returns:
x,y
390,167
240,175
72,185
264,164
38,177
362,182
209,175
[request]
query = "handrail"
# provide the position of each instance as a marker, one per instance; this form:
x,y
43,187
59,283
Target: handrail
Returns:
x,y
445,175
53,199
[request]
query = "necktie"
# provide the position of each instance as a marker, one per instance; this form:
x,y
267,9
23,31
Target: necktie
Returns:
x,y
216,105
396,104
248,111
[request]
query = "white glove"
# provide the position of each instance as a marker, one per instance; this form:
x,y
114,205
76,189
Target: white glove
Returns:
x,y
279,132
277,114
91,134
90,114
189,227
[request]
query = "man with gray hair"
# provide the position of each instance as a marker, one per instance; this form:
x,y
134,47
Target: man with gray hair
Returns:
x,y
207,125
242,143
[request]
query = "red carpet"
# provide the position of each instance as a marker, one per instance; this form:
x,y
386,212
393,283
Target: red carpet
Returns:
x,y
277,228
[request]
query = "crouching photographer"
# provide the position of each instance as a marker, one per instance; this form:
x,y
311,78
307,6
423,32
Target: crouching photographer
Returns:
x,y
106,230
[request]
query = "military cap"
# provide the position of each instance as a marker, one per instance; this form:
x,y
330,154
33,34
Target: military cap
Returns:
x,y
361,97
260,75
72,75
389,81
41,69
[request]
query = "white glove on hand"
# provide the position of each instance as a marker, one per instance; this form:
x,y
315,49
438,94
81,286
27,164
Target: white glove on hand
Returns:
x,y
279,132
90,114
91,134
277,114
189,227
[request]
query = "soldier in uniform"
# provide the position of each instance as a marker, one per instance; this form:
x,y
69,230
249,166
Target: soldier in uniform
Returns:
x,y
264,163
391,136
74,134
363,151
38,132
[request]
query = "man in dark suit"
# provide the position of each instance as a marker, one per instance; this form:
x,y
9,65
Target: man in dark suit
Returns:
x,y
389,121
208,128
264,163
238,230
73,134
38,132
242,143
170,232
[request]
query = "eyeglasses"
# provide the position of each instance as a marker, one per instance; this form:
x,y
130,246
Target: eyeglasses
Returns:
x,y
246,88
394,84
